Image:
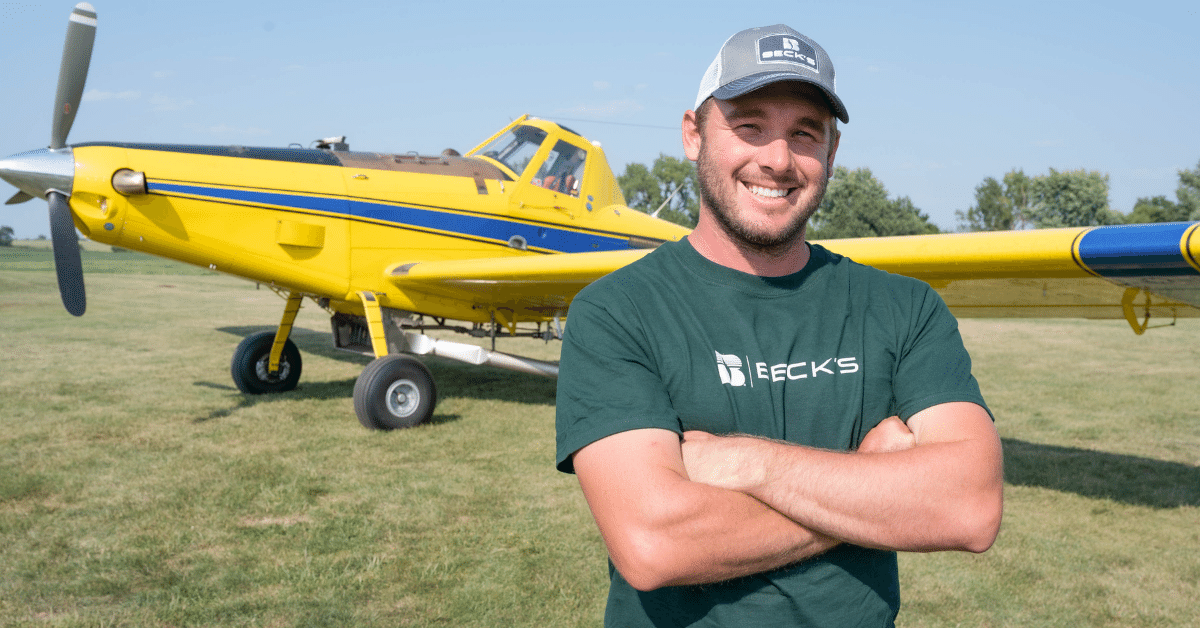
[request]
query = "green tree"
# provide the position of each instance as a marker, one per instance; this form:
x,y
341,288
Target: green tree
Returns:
x,y
1073,198
1157,209
992,210
1188,192
6,235
1018,191
999,205
670,180
856,205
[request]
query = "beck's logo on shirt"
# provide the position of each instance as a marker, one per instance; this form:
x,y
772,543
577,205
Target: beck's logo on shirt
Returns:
x,y
730,369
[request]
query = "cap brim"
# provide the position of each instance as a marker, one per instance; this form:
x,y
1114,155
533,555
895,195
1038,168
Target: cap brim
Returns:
x,y
745,85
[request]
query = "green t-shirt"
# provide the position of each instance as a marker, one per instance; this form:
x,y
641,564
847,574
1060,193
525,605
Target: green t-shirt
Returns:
x,y
817,358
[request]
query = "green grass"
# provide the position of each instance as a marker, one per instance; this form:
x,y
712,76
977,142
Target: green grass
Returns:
x,y
138,487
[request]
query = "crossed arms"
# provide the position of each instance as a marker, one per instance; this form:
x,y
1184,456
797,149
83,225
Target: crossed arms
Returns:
x,y
711,508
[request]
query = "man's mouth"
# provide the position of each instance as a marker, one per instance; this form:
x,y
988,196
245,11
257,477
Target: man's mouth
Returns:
x,y
759,190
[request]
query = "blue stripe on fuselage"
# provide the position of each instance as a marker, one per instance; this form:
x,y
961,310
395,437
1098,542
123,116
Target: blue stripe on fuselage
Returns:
x,y
1136,250
482,227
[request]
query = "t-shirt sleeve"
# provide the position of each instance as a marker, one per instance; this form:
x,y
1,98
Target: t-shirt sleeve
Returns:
x,y
933,366
607,380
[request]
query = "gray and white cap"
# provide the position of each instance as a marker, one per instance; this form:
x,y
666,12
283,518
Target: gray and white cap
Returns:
x,y
757,57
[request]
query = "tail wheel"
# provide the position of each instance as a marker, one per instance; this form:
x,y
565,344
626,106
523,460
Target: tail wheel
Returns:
x,y
251,362
394,392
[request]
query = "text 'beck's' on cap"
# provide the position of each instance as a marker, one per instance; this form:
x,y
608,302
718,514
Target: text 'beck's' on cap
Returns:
x,y
757,57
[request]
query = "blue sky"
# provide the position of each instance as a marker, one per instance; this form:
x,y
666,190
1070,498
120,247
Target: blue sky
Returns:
x,y
940,95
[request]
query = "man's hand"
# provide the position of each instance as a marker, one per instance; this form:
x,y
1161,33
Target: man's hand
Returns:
x,y
712,460
890,435
716,460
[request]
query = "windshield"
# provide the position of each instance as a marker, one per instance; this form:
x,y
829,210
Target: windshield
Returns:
x,y
562,169
515,148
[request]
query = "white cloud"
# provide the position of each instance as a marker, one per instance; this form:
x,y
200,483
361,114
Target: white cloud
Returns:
x,y
162,102
600,85
604,110
162,74
97,95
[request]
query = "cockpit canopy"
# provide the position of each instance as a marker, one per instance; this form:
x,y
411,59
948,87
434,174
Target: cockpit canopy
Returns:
x,y
515,148
561,170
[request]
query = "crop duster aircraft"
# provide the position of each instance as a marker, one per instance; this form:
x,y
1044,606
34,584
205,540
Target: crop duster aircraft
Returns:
x,y
393,245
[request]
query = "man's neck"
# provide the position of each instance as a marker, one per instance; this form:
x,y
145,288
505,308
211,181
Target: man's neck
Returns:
x,y
717,246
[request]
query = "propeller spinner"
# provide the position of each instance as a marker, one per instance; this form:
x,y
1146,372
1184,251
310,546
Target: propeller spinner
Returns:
x,y
50,172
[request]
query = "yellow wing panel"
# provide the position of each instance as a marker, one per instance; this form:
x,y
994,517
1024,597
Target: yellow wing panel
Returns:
x,y
1093,272
1132,272
535,287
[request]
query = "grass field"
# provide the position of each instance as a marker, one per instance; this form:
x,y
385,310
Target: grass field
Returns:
x,y
138,487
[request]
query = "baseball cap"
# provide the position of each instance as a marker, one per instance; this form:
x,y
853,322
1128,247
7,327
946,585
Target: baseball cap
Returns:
x,y
757,57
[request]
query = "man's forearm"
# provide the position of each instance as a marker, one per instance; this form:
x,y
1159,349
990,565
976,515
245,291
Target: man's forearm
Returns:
x,y
943,494
720,536
663,529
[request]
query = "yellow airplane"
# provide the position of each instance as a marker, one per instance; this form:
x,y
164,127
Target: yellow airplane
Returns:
x,y
500,239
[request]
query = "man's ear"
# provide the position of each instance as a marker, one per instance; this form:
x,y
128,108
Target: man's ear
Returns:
x,y
837,138
691,136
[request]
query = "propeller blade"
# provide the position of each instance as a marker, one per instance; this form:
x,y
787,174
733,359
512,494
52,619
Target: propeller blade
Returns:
x,y
67,263
19,197
72,74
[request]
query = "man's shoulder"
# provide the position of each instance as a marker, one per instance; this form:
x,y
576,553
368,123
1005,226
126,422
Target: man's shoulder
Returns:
x,y
868,276
645,274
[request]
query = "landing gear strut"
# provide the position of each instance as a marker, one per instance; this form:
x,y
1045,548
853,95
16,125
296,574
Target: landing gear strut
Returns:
x,y
251,365
269,362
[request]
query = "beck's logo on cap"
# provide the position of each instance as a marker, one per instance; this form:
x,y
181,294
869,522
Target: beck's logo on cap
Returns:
x,y
782,48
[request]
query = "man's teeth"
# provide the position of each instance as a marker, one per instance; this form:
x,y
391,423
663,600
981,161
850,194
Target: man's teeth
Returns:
x,y
769,192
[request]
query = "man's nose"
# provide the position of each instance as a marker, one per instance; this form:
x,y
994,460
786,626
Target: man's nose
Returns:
x,y
775,155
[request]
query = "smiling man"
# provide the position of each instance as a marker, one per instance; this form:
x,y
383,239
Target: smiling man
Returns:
x,y
759,425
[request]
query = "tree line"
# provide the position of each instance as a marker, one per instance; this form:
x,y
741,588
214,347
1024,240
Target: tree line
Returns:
x,y
1074,198
857,205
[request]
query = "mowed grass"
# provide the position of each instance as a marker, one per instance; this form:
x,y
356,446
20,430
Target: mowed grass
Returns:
x,y
138,487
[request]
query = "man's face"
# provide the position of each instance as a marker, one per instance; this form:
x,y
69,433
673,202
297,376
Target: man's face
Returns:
x,y
763,161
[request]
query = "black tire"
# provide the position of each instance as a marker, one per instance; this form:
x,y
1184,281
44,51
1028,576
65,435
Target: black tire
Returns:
x,y
394,392
250,361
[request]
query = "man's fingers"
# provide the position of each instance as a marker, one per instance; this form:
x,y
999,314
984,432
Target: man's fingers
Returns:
x,y
890,435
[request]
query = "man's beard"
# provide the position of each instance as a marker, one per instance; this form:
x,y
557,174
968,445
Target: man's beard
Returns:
x,y
742,231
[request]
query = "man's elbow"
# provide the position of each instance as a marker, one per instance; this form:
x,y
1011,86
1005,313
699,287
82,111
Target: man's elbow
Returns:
x,y
980,522
647,562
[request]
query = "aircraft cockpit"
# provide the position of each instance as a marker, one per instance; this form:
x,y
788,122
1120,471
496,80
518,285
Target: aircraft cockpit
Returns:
x,y
515,148
561,170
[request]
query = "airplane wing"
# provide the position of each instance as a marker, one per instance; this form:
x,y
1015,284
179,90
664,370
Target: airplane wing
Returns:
x,y
1131,272
1134,272
543,284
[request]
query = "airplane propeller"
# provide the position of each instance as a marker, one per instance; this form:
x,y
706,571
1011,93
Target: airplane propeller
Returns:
x,y
50,172
67,263
72,74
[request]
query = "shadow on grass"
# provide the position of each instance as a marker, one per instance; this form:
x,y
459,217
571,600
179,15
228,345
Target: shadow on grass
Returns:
x,y
453,378
325,390
1098,474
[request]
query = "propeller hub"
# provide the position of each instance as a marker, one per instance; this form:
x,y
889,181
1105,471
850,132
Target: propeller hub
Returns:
x,y
37,172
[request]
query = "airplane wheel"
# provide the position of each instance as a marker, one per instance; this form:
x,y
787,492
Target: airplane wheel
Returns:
x,y
394,392
250,362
